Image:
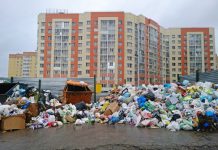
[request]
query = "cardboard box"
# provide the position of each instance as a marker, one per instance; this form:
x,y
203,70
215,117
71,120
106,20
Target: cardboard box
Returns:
x,y
113,107
33,108
13,122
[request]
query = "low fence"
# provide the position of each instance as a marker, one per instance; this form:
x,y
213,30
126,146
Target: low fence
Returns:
x,y
4,79
211,76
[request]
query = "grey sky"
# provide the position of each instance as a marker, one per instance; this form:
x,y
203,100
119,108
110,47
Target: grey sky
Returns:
x,y
18,18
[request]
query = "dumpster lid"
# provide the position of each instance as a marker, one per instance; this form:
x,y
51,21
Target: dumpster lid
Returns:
x,y
76,83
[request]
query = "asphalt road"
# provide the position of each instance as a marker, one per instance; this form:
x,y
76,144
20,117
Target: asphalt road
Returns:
x,y
103,136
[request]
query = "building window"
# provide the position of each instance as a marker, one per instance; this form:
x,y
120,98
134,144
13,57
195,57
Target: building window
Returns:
x,y
88,29
80,30
79,65
129,72
87,43
87,50
50,31
79,51
129,37
79,72
129,57
73,31
173,58
95,44
42,30
87,64
120,22
129,30
73,23
87,71
119,29
173,47
50,38
42,24
88,36
129,23
129,51
119,36
49,44
79,58
129,79
129,44
173,64
88,22
80,44
80,24
42,38
80,37
87,57
129,65
50,24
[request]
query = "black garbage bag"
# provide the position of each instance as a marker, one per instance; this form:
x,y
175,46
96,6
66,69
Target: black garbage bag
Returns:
x,y
175,117
81,106
150,96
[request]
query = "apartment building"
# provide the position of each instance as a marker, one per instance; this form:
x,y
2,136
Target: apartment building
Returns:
x,y
190,49
119,48
22,65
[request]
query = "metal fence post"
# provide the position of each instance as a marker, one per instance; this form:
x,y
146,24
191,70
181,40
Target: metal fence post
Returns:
x,y
197,75
178,77
39,88
12,79
95,88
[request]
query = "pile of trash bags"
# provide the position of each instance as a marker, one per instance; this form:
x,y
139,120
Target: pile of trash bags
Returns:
x,y
175,106
182,106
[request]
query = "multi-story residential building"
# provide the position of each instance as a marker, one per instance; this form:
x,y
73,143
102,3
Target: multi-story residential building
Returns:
x,y
119,48
22,65
190,49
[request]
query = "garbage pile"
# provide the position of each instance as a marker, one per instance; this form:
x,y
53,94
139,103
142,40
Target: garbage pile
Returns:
x,y
181,106
172,106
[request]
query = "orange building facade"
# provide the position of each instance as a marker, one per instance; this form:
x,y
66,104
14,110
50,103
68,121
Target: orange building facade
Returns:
x,y
117,47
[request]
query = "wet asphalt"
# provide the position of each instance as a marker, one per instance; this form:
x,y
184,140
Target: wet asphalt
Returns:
x,y
104,136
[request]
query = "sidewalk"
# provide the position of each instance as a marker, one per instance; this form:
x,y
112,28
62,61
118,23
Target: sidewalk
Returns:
x,y
103,136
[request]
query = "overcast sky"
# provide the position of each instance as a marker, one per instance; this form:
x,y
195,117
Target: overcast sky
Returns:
x,y
18,18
